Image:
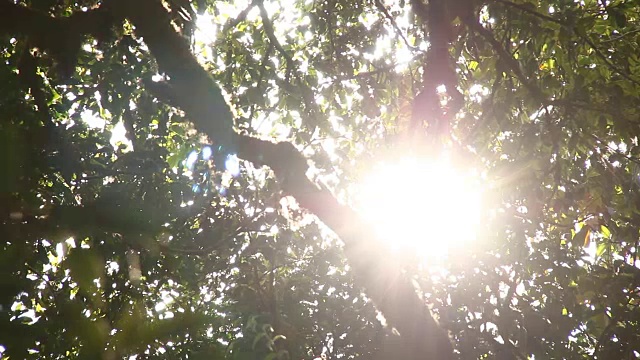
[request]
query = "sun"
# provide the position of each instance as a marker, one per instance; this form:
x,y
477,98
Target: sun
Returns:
x,y
427,207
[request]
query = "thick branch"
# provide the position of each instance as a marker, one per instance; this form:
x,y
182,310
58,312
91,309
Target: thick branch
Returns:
x,y
193,87
438,70
194,91
393,293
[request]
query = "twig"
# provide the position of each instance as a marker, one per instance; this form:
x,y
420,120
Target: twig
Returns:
x,y
529,11
383,69
241,16
268,29
606,60
621,36
509,60
384,10
584,37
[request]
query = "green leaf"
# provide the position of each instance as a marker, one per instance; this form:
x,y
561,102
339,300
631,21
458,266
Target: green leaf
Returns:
x,y
601,249
582,237
86,265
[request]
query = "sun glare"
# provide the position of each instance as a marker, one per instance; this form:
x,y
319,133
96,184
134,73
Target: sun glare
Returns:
x,y
425,207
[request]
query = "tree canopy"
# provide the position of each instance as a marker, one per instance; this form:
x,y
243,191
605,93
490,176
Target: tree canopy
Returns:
x,y
180,179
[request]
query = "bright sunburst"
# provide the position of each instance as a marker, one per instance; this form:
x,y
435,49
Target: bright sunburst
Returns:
x,y
426,207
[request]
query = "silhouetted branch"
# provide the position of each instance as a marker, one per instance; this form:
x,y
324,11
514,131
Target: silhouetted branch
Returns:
x,y
192,89
393,22
393,294
268,29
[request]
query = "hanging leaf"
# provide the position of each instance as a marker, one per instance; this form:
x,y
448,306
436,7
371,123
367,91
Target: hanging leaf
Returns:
x,y
582,237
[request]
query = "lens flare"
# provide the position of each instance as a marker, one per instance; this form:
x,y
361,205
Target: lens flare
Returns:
x,y
426,207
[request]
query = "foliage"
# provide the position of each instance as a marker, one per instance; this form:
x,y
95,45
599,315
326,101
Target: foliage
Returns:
x,y
114,247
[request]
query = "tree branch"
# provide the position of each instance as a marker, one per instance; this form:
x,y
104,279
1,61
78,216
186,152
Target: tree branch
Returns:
x,y
578,33
195,92
393,22
269,30
191,85
509,61
393,294
61,37
438,70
